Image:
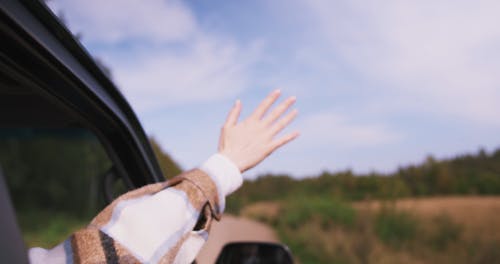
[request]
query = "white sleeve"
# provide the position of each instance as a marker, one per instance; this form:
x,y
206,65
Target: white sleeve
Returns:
x,y
152,223
225,174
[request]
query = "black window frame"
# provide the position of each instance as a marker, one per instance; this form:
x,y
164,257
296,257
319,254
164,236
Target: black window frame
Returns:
x,y
39,51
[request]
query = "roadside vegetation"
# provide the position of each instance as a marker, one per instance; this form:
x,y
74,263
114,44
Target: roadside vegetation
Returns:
x,y
435,212
431,230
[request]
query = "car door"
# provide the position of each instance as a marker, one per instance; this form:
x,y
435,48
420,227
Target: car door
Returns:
x,y
69,141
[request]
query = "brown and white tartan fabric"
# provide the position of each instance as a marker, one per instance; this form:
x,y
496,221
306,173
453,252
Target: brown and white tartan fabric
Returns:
x,y
159,223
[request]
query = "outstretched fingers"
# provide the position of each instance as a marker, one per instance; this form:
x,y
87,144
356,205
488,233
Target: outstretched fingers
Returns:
x,y
284,122
277,143
279,110
234,114
266,104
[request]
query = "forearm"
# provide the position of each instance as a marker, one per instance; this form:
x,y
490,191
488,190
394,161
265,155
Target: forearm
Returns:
x,y
154,223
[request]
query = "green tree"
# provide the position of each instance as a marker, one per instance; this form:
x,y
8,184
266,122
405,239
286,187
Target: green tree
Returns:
x,y
168,166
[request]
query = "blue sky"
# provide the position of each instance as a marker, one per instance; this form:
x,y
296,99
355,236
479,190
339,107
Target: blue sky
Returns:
x,y
379,84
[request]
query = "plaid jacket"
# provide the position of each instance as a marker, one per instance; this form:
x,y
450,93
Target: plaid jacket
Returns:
x,y
159,223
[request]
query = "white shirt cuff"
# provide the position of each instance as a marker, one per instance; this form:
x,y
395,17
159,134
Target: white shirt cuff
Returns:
x,y
225,174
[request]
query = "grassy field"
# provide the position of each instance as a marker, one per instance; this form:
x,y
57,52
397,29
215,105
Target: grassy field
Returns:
x,y
47,229
480,216
426,230
325,230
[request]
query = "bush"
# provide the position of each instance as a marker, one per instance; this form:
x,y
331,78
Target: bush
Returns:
x,y
297,212
306,225
445,231
395,228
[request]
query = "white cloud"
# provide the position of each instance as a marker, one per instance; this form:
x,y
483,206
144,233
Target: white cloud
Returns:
x,y
211,70
168,59
114,21
338,131
443,55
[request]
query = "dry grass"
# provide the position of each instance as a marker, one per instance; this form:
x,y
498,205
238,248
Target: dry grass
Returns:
x,y
480,216
477,220
263,211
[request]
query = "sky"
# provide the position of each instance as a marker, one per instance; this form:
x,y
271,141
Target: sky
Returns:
x,y
379,84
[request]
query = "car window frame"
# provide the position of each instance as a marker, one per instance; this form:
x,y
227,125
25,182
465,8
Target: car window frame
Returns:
x,y
67,64
39,51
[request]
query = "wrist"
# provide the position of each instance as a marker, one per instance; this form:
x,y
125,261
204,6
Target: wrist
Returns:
x,y
224,172
231,158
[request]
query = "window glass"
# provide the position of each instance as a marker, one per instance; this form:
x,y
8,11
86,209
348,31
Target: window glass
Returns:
x,y
55,178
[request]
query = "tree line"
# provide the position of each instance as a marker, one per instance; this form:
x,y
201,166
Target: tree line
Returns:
x,y
468,174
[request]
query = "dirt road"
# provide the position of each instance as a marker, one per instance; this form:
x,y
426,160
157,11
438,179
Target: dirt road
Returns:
x,y
232,228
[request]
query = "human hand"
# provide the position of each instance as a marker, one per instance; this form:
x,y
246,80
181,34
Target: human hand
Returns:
x,y
250,141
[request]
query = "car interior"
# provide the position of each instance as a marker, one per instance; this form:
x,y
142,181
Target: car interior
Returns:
x,y
53,163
